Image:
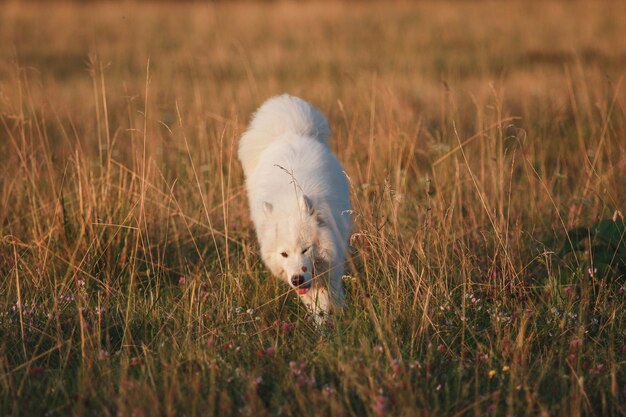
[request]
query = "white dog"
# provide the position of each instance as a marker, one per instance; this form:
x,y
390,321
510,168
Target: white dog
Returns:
x,y
299,199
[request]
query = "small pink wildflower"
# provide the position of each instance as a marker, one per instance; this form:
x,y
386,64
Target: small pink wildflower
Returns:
x,y
297,367
598,369
576,342
36,371
379,404
270,351
182,280
571,358
396,367
298,370
137,412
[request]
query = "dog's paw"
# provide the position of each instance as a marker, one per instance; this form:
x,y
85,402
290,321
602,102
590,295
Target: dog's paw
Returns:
x,y
323,321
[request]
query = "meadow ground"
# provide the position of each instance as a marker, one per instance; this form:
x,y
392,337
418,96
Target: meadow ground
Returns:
x,y
475,136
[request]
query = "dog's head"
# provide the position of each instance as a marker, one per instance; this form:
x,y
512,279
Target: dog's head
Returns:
x,y
289,242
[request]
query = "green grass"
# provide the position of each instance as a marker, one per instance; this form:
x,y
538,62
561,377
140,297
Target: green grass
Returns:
x,y
475,136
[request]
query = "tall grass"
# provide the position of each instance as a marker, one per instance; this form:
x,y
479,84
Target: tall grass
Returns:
x,y
475,135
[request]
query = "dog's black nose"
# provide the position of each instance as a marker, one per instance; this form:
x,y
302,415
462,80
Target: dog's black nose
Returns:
x,y
297,280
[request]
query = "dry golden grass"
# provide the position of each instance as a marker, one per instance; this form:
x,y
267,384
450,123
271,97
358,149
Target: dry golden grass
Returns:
x,y
475,136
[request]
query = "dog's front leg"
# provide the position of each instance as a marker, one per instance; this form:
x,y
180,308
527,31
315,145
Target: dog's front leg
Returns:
x,y
317,301
326,297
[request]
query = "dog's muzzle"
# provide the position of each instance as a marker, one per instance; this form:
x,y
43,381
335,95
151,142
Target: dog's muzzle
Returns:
x,y
299,282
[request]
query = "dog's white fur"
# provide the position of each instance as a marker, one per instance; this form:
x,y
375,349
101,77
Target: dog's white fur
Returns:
x,y
299,198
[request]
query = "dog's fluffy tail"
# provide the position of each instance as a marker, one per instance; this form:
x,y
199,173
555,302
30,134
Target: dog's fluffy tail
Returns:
x,y
278,116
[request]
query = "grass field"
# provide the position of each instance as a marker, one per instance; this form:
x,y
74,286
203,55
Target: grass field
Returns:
x,y
478,139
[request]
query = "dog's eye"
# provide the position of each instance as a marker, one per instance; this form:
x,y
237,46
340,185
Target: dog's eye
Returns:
x,y
305,250
284,254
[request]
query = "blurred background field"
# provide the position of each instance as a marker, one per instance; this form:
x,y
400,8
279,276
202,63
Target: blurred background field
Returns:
x,y
478,137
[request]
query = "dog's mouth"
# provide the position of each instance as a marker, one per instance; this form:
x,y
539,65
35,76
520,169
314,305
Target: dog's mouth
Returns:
x,y
303,289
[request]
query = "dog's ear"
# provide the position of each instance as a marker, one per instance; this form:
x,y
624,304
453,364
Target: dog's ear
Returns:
x,y
267,208
306,205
